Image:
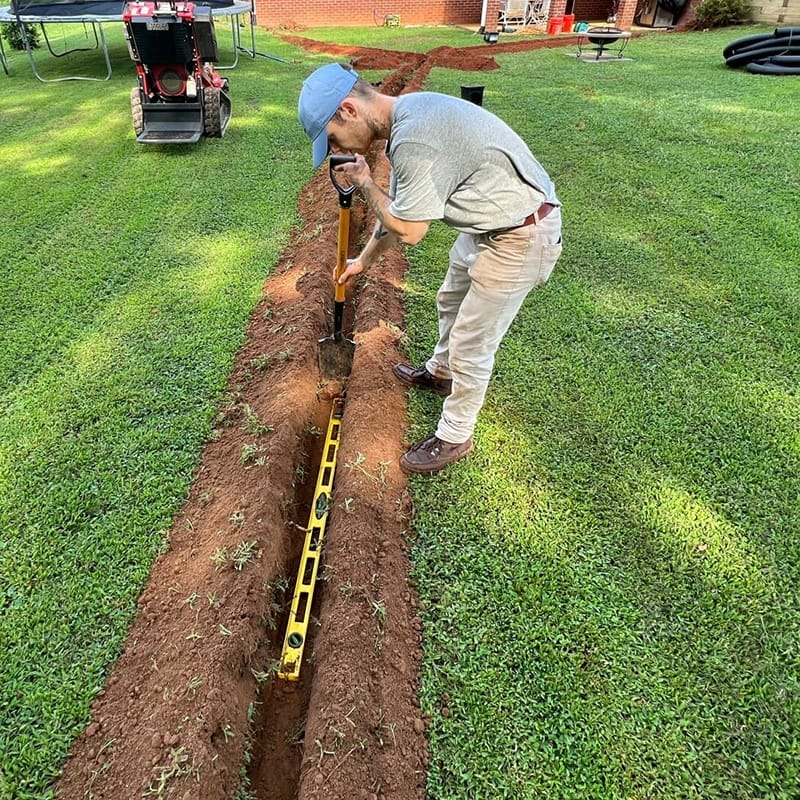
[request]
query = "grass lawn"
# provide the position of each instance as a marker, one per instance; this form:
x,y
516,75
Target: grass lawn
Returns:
x,y
610,581
128,275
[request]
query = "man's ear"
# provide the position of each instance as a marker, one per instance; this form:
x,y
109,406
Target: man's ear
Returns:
x,y
348,108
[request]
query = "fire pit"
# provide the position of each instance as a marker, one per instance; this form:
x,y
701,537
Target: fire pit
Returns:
x,y
602,39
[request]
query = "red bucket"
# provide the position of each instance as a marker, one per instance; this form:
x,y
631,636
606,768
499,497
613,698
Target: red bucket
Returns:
x,y
569,21
554,25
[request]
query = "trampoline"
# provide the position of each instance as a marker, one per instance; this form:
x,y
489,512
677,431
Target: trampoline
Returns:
x,y
93,14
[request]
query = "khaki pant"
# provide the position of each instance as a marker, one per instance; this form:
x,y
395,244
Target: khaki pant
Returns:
x,y
486,283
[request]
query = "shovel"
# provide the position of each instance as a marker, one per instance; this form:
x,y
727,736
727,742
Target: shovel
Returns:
x,y
336,352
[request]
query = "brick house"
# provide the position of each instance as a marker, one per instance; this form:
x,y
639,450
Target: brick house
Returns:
x,y
331,13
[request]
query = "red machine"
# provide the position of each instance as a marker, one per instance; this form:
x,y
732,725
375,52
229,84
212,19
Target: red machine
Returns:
x,y
179,96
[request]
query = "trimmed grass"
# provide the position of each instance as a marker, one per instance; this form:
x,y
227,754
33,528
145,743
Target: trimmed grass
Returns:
x,y
403,38
610,581
129,273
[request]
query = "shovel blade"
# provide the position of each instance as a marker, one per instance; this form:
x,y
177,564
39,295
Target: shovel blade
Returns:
x,y
336,357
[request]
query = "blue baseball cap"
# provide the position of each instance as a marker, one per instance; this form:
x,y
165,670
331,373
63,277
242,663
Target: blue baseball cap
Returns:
x,y
320,98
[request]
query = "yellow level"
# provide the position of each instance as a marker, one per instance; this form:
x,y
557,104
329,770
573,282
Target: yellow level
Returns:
x,y
297,629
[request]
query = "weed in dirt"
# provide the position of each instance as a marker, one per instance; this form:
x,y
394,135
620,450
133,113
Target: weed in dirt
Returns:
x,y
237,517
253,422
312,430
346,589
261,362
347,505
252,455
262,676
300,475
243,554
358,464
219,557
297,733
104,767
177,766
383,730
245,789
194,684
229,408
206,497
379,612
311,233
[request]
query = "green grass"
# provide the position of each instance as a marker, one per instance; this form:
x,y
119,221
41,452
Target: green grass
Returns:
x,y
405,38
610,581
129,273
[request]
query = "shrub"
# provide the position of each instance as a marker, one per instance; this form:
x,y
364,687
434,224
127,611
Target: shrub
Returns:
x,y
718,13
13,35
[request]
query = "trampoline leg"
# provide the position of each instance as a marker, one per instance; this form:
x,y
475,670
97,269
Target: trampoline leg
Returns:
x,y
252,52
236,43
3,57
100,38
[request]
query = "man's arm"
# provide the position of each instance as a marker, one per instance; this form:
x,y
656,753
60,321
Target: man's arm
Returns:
x,y
407,231
380,241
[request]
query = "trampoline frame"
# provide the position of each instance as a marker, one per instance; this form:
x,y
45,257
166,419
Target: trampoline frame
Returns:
x,y
97,20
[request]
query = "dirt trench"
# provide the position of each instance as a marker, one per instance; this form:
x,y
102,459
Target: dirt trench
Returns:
x,y
193,707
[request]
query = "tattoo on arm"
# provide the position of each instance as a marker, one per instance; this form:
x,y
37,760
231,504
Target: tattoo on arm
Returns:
x,y
380,232
376,198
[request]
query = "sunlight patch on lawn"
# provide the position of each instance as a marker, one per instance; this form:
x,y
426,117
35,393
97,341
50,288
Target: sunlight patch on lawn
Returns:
x,y
524,510
694,532
19,158
213,256
94,353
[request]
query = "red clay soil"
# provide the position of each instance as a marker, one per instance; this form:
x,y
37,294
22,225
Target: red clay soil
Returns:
x,y
193,707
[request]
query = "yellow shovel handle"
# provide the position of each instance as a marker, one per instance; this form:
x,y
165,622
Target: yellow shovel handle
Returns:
x,y
341,251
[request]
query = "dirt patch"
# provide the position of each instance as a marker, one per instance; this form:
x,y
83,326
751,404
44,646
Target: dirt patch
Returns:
x,y
193,708
411,69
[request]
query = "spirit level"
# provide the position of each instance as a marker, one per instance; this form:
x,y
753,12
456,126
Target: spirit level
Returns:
x,y
297,629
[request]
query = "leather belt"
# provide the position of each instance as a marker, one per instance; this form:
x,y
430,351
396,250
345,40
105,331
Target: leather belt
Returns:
x,y
540,213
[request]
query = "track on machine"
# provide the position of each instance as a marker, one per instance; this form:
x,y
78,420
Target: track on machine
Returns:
x,y
179,96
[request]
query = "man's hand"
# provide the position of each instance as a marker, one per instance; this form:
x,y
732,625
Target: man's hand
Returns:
x,y
354,266
357,172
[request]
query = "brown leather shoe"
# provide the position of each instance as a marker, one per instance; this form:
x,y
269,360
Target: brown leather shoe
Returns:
x,y
422,379
431,455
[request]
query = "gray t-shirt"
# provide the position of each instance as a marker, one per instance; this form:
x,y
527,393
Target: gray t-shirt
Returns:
x,y
452,160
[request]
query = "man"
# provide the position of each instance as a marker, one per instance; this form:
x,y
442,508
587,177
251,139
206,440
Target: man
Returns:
x,y
453,161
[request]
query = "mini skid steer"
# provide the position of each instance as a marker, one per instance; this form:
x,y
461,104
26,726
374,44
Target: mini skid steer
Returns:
x,y
179,97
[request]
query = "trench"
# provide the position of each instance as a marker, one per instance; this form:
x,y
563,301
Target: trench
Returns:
x,y
192,708
272,764
280,742
276,744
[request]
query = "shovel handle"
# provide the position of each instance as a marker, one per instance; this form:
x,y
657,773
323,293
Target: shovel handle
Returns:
x,y
345,192
342,247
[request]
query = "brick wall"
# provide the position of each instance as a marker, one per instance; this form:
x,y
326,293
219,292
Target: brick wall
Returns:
x,y
341,13
598,11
